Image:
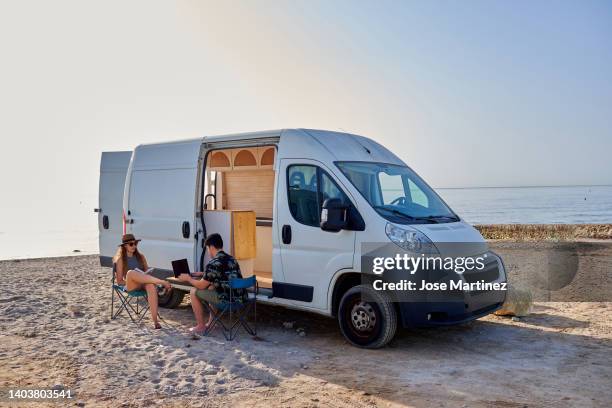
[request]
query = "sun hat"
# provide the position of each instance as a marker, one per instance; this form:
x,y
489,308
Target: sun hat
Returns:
x,y
128,238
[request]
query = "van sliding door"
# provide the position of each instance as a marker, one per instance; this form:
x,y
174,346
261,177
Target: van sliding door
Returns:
x,y
160,206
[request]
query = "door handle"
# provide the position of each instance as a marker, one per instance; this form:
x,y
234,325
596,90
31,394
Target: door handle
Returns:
x,y
186,231
286,234
105,221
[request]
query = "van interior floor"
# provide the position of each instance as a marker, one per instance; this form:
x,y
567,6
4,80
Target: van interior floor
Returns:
x,y
264,279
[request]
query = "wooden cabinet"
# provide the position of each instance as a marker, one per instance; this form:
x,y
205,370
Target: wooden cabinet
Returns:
x,y
238,230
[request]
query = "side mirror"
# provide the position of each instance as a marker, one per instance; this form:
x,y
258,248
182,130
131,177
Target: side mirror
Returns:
x,y
333,215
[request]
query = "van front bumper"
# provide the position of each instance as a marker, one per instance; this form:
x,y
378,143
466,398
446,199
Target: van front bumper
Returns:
x,y
463,306
424,314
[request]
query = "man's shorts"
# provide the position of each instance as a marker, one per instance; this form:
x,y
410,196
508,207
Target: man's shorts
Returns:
x,y
210,296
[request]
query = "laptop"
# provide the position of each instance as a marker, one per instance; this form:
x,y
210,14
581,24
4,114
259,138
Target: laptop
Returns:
x,y
180,266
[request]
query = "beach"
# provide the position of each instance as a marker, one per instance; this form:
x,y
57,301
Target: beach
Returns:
x,y
57,333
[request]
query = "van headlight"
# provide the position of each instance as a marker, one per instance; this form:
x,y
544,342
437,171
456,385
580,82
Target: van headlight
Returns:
x,y
410,239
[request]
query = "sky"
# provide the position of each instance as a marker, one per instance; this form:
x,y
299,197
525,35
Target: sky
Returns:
x,y
485,93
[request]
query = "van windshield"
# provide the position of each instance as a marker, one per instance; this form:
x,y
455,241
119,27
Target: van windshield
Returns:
x,y
397,193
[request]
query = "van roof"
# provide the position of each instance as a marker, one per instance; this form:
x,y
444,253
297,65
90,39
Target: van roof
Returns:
x,y
340,146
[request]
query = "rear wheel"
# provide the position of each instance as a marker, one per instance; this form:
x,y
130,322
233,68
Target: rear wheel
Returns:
x,y
169,298
367,317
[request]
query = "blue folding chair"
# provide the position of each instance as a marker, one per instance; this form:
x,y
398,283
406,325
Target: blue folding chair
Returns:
x,y
237,308
130,301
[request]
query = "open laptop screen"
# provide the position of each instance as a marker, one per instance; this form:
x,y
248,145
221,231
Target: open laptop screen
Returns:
x,y
180,266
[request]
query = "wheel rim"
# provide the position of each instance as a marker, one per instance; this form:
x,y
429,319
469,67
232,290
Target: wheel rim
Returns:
x,y
361,320
163,295
363,317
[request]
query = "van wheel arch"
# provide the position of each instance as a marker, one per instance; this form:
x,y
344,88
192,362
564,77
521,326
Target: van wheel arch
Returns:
x,y
344,282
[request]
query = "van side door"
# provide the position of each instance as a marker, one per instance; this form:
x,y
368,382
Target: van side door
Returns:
x,y
310,256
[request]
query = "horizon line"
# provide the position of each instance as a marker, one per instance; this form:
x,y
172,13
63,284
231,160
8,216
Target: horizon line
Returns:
x,y
538,186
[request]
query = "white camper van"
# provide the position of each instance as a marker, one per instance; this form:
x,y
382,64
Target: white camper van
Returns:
x,y
266,194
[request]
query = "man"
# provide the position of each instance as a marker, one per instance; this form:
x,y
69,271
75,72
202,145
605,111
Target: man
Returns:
x,y
213,288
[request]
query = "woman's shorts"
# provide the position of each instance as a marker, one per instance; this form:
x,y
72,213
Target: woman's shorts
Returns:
x,y
210,296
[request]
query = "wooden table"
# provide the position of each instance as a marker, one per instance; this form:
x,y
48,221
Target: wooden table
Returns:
x,y
186,286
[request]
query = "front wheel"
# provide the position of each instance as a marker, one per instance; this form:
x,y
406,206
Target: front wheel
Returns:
x,y
367,317
169,298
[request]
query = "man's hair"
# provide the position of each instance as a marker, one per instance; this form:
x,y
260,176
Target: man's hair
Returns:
x,y
214,240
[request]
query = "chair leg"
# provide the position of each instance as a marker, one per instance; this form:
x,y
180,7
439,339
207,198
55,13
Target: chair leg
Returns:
x,y
241,321
136,312
143,309
128,307
125,305
217,320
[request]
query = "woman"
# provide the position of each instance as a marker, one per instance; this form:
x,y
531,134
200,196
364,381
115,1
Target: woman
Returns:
x,y
126,260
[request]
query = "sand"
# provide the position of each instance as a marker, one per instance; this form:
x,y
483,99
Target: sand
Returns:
x,y
54,315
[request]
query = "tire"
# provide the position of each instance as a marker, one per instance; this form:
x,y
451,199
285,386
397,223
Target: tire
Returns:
x,y
370,324
169,299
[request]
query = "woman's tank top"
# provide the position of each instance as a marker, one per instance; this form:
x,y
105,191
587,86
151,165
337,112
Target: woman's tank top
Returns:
x,y
132,263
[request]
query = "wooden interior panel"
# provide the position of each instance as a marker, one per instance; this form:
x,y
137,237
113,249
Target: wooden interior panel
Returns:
x,y
263,260
219,159
267,158
242,194
244,158
243,231
249,190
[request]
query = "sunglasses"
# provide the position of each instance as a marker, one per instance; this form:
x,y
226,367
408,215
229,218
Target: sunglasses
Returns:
x,y
131,244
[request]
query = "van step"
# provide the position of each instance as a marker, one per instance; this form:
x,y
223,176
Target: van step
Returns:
x,y
266,292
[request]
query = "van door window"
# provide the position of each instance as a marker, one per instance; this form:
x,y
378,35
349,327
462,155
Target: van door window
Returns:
x,y
303,194
308,187
329,189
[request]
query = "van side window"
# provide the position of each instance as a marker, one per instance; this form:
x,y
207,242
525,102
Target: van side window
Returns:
x,y
329,189
303,194
307,189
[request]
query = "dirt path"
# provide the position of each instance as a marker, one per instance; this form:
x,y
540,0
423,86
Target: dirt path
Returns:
x,y
55,331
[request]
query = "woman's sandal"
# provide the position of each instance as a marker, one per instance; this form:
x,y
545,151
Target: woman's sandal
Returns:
x,y
157,326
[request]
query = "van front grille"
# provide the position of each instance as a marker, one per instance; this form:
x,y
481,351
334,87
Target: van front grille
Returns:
x,y
490,273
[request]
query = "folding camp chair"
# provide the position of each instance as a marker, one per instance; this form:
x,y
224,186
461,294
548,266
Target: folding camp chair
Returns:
x,y
130,301
237,308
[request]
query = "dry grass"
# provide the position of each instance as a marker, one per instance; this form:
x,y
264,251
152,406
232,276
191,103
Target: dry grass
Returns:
x,y
545,232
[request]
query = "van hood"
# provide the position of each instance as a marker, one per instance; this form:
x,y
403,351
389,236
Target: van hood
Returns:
x,y
454,239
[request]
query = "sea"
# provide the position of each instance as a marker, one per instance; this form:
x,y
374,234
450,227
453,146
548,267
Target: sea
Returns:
x,y
78,233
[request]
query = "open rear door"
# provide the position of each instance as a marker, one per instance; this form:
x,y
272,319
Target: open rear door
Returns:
x,y
113,169
161,204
